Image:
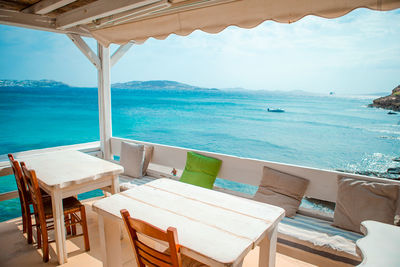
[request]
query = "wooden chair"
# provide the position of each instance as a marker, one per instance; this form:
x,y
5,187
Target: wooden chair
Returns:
x,y
24,198
147,256
44,214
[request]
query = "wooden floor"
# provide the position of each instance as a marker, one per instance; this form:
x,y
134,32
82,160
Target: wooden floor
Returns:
x,y
15,252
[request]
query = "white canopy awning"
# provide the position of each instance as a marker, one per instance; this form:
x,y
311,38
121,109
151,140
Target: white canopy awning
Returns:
x,y
184,17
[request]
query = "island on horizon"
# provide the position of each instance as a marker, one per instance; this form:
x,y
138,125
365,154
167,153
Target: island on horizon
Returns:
x,y
169,85
132,85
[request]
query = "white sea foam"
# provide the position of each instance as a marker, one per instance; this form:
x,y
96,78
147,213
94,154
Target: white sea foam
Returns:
x,y
374,162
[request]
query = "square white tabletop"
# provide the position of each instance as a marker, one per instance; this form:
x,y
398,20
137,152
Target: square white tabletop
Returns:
x,y
217,225
65,168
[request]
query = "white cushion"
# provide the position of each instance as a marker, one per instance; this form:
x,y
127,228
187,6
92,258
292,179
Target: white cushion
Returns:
x,y
132,158
319,234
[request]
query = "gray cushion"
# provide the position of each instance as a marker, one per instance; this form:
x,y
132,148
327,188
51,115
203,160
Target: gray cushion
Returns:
x,y
132,157
359,200
148,153
281,189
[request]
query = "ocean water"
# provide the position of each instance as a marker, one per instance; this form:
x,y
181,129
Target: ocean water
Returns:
x,y
317,131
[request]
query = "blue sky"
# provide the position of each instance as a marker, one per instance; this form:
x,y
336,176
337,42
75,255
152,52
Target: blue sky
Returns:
x,y
355,54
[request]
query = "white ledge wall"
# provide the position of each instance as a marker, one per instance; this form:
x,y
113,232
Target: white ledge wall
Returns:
x,y
323,183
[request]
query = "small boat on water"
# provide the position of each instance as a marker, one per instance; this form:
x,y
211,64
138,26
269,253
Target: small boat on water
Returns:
x,y
275,110
391,113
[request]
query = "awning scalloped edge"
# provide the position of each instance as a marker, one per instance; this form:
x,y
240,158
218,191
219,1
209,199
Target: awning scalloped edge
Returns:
x,y
243,14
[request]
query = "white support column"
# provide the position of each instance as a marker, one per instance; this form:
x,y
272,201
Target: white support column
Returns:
x,y
103,62
104,92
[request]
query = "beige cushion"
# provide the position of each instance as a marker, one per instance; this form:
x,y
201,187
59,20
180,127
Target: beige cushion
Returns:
x,y
132,158
148,153
281,189
359,200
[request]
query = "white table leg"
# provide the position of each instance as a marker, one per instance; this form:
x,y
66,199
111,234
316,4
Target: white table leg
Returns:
x,y
239,264
110,242
268,249
115,185
115,190
59,229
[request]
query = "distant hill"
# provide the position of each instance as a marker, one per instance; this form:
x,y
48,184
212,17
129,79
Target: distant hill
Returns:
x,y
158,85
389,102
133,85
32,83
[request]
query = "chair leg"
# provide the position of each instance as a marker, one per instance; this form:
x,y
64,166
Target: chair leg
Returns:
x,y
38,237
38,232
73,225
23,212
29,226
45,248
84,228
45,240
67,221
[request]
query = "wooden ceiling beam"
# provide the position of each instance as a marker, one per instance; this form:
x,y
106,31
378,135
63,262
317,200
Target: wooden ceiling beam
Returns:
x,y
96,10
46,6
8,5
37,22
128,15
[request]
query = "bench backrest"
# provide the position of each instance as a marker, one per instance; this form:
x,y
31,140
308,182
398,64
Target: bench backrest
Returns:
x,y
323,183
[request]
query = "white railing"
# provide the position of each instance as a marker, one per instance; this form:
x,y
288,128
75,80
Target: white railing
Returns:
x,y
323,183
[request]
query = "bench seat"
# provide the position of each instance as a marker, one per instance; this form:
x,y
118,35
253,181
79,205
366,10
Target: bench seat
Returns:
x,y
319,237
302,232
127,182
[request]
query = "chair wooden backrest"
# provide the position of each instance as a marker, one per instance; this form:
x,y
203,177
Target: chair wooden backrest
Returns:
x,y
36,197
145,255
22,190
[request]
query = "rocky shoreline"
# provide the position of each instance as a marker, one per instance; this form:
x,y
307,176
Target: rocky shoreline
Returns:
x,y
391,102
391,173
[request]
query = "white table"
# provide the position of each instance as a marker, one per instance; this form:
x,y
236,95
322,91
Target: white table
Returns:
x,y
213,227
67,173
380,246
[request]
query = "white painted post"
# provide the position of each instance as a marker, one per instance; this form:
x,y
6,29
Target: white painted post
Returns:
x,y
103,62
104,92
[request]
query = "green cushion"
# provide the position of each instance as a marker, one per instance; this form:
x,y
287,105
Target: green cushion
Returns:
x,y
200,170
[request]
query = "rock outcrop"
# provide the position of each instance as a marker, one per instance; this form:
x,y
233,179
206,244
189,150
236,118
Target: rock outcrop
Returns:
x,y
389,102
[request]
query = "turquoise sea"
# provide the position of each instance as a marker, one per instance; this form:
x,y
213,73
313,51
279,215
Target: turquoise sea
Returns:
x,y
328,132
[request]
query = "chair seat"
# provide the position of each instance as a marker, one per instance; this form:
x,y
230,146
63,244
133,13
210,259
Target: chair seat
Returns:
x,y
44,195
70,204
